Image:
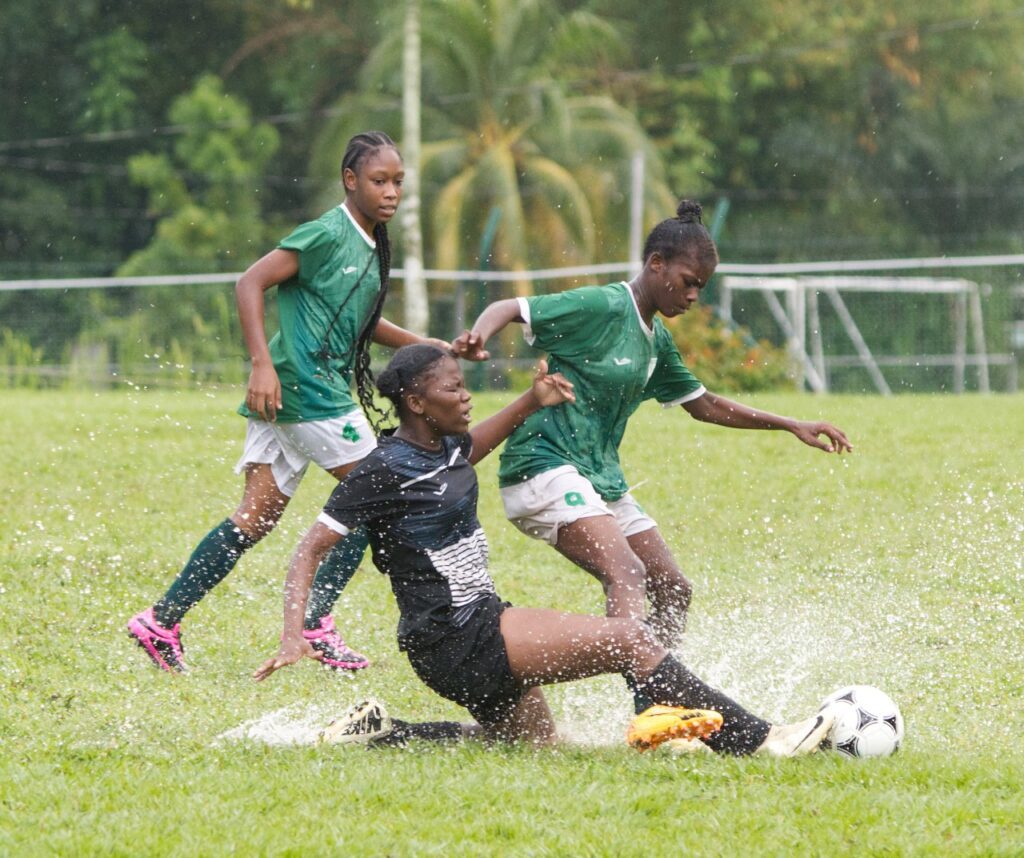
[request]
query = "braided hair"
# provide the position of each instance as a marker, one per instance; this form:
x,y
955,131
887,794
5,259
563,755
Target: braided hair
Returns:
x,y
406,370
359,148
683,234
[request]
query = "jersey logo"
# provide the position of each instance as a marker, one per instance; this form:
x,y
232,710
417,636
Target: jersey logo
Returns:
x,y
349,269
350,433
621,361
442,490
575,499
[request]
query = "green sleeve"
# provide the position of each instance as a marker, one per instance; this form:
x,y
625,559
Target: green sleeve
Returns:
x,y
313,243
671,382
565,323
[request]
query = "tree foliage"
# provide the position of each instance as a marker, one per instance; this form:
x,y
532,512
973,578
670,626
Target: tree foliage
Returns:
x,y
154,137
505,130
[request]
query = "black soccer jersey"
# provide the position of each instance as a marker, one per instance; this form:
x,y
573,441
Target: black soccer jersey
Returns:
x,y
419,508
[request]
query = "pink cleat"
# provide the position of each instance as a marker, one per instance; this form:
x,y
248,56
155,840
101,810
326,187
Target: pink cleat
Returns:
x,y
337,654
162,645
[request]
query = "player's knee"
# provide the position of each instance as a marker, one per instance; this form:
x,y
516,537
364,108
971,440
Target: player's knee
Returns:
x,y
631,573
254,526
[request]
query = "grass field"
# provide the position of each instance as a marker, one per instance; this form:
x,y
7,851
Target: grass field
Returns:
x,y
899,566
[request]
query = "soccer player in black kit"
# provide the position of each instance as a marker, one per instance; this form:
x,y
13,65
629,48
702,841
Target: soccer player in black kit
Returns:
x,y
416,495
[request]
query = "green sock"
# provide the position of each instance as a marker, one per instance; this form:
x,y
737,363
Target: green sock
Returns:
x,y
213,558
333,575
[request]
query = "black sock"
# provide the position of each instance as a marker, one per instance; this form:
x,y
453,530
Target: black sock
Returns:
x,y
333,575
430,731
641,701
215,556
672,684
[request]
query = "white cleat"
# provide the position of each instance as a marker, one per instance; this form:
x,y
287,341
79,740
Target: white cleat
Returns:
x,y
363,723
794,740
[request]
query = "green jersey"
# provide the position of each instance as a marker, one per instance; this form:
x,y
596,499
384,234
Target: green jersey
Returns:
x,y
596,338
322,309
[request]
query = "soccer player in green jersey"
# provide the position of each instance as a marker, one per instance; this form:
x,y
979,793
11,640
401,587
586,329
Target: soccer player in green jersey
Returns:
x,y
332,276
560,476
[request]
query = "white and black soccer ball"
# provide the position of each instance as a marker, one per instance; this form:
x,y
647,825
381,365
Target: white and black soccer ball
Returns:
x,y
868,722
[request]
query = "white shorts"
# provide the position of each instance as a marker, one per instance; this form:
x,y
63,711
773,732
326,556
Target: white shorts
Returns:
x,y
544,503
289,447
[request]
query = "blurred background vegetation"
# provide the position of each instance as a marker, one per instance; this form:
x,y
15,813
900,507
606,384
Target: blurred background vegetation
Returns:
x,y
139,137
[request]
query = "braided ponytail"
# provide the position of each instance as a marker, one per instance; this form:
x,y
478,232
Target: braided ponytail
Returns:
x,y
363,373
361,147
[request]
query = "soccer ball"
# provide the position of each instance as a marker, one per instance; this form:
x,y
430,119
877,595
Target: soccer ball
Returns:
x,y
868,722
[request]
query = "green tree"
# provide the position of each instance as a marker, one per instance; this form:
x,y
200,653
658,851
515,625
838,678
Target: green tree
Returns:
x,y
206,193
840,130
506,127
206,196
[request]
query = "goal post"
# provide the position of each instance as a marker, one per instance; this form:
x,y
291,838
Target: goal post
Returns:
x,y
799,317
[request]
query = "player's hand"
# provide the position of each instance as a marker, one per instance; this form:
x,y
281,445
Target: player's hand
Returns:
x,y
443,345
469,345
551,389
291,651
263,395
809,432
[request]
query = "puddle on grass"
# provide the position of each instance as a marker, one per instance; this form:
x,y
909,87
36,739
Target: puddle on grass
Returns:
x,y
944,631
296,724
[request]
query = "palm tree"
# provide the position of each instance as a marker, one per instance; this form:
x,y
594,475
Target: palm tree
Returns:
x,y
504,130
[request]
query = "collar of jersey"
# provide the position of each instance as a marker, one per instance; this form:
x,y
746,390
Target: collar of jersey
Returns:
x,y
359,229
643,325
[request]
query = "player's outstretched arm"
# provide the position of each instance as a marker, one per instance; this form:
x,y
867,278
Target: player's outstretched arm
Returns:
x,y
471,345
311,551
712,408
547,390
394,337
263,393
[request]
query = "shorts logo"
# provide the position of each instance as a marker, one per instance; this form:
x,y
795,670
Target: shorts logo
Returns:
x,y
350,433
575,499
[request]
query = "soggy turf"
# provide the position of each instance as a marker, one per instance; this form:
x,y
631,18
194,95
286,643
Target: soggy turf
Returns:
x,y
900,566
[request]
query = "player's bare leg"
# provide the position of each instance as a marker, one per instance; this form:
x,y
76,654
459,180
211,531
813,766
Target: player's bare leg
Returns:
x,y
262,503
596,544
667,587
530,720
546,646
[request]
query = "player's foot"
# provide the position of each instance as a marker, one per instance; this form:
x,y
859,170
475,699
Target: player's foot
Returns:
x,y
337,653
162,645
362,724
660,723
793,740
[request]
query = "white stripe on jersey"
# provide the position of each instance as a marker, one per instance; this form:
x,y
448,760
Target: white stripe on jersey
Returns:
x,y
524,311
336,526
692,395
464,565
433,473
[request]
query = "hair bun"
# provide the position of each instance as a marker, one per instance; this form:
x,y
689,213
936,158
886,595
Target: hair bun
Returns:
x,y
689,211
389,383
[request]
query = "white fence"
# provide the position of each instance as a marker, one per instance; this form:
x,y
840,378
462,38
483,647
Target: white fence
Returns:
x,y
790,291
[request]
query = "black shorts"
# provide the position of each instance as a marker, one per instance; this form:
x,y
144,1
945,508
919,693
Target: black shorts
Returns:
x,y
470,665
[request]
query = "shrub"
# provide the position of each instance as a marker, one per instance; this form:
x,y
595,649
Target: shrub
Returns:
x,y
727,358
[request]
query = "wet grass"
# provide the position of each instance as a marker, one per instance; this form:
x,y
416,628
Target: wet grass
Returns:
x,y
900,566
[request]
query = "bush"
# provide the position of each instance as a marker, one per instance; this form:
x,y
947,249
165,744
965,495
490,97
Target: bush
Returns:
x,y
727,358
19,360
